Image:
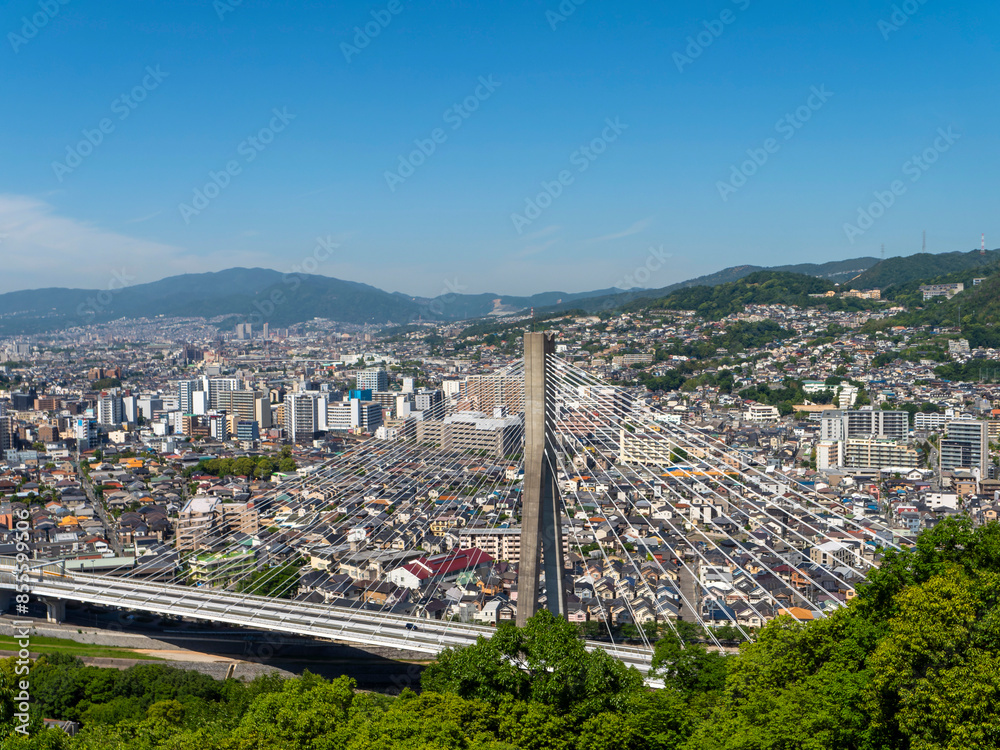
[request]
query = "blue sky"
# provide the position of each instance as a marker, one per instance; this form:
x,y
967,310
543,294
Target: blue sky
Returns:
x,y
692,93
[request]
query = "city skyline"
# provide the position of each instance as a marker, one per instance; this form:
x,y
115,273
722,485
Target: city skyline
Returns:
x,y
502,149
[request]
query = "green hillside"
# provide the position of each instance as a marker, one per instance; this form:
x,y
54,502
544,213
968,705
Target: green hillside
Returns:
x,y
978,306
759,288
893,275
838,271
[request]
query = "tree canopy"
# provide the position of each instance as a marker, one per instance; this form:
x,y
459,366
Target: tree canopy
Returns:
x,y
911,663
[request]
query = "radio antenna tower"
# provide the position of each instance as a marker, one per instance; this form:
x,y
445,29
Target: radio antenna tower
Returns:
x,y
982,250
925,242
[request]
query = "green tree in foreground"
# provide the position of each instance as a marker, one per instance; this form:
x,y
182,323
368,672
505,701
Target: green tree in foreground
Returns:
x,y
912,663
544,662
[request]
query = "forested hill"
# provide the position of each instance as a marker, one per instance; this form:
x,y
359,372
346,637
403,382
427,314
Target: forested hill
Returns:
x,y
976,309
760,288
911,663
239,295
892,274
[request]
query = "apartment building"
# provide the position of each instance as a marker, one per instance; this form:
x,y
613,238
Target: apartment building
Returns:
x,y
472,431
852,423
203,519
965,446
500,544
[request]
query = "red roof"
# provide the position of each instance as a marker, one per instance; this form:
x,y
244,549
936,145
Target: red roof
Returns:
x,y
442,565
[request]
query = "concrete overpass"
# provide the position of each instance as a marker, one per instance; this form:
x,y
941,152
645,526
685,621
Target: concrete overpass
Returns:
x,y
54,586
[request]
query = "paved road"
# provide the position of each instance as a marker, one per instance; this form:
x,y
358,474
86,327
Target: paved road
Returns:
x,y
109,522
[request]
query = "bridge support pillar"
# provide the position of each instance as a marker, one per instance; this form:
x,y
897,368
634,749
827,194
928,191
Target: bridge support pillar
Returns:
x,y
541,515
55,610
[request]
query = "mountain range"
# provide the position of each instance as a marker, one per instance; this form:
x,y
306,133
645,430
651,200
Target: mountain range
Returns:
x,y
257,295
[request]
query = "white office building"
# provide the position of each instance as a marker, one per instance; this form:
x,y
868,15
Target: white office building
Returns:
x,y
345,416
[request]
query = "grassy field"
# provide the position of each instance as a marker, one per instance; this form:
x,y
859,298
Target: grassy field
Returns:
x,y
41,644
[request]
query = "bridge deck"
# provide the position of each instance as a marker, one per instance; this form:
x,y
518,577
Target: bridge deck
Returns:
x,y
333,623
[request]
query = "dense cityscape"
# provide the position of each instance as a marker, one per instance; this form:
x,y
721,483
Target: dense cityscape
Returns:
x,y
135,449
554,375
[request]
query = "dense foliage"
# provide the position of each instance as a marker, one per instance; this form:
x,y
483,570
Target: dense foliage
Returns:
x,y
737,337
280,581
976,309
105,383
912,663
898,277
258,467
760,288
973,371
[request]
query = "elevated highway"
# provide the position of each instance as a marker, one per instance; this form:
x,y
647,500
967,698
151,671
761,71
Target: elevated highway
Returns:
x,y
54,586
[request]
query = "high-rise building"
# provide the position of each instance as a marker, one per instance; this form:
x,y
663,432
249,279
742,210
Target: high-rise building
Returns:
x,y
6,430
204,520
218,426
872,452
343,416
199,403
371,416
23,401
110,410
965,446
930,420
47,433
829,454
486,392
217,387
246,404
149,404
654,448
301,416
85,431
428,400
185,395
451,387
130,408
47,403
385,399
472,431
353,414
176,421
373,380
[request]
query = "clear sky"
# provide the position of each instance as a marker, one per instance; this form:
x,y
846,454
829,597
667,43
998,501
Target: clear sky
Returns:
x,y
718,132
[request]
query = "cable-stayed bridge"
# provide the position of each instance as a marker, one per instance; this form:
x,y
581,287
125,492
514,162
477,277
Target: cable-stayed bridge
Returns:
x,y
618,514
